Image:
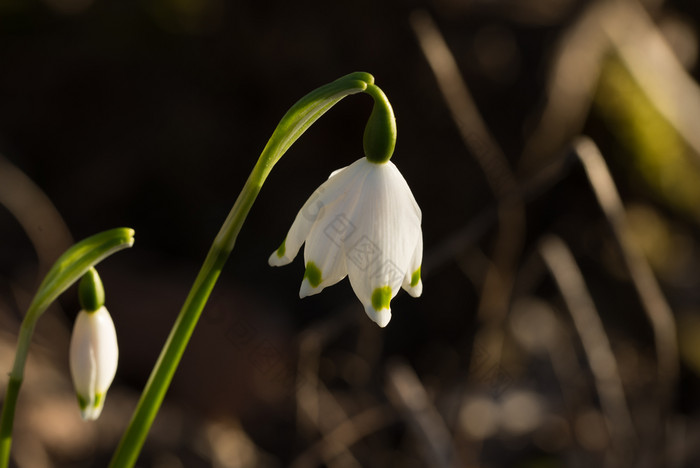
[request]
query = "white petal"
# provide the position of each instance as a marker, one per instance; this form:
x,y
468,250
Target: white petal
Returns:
x,y
325,245
413,288
306,289
332,269
93,359
388,224
381,317
107,349
335,188
297,233
91,413
278,257
363,222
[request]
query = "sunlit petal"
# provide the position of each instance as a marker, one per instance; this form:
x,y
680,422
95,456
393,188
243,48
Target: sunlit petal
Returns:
x,y
366,225
412,282
381,317
332,190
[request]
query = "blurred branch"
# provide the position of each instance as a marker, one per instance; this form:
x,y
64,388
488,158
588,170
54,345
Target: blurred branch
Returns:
x,y
341,438
622,27
35,212
452,246
596,345
657,309
498,281
407,393
656,153
317,405
653,64
457,97
570,86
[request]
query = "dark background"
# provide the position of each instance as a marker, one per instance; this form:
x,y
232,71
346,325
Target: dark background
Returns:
x,y
150,114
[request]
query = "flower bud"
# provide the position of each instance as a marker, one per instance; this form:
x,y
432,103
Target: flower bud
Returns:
x,y
93,349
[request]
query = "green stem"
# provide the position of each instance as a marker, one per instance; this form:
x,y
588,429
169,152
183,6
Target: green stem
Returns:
x,y
13,386
294,123
8,414
66,270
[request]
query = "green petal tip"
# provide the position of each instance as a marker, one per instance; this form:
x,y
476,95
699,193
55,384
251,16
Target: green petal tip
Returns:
x,y
381,298
313,274
415,278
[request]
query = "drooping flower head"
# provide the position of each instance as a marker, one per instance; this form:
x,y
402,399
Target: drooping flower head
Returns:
x,y
364,223
93,348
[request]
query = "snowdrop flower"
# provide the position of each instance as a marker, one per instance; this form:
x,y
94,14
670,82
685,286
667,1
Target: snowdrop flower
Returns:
x,y
364,223
93,348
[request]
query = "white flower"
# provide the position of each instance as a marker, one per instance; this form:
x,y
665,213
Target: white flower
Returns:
x,y
93,359
363,222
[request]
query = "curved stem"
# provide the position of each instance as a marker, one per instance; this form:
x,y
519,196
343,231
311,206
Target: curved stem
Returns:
x,y
294,123
66,270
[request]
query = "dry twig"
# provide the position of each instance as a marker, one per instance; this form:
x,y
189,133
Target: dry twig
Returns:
x,y
655,305
596,345
408,394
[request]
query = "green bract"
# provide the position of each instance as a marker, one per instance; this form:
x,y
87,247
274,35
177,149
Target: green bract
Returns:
x,y
380,132
91,293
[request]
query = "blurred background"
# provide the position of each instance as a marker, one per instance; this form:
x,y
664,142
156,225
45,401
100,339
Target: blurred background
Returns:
x,y
553,146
